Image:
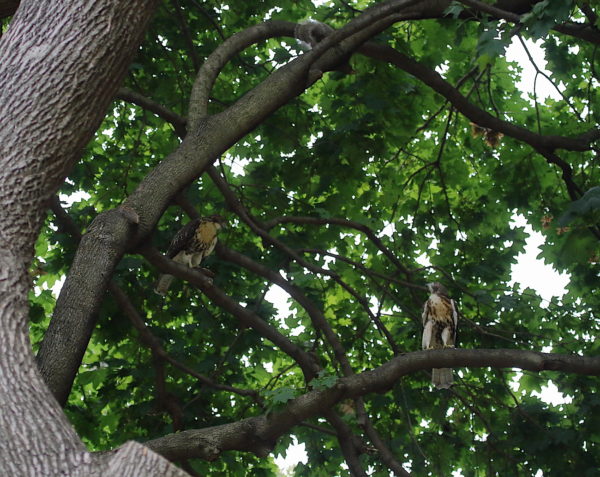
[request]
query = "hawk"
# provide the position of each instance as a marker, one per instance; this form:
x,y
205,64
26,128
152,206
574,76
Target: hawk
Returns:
x,y
440,317
194,241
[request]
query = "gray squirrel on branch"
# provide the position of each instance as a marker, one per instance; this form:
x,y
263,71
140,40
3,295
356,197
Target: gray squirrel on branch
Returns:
x,y
310,32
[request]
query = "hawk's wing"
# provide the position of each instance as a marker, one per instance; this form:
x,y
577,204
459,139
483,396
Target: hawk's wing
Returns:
x,y
454,318
425,315
182,238
427,327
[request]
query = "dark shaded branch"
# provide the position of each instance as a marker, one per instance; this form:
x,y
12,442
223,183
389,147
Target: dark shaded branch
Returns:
x,y
366,271
344,223
567,172
8,7
435,81
315,314
157,349
588,12
244,315
166,401
582,31
492,10
258,434
241,211
384,452
187,35
142,101
350,444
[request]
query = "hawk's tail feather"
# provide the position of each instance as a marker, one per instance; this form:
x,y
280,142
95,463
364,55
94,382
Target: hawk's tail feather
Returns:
x,y
163,283
442,378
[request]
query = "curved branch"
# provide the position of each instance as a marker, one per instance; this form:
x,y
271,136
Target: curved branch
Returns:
x,y
258,434
321,58
316,315
344,223
241,211
211,68
244,315
435,81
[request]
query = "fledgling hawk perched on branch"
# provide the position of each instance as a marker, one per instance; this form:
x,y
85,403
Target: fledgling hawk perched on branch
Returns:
x,y
194,241
440,318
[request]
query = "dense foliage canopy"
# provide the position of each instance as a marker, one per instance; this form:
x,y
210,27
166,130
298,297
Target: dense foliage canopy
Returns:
x,y
405,164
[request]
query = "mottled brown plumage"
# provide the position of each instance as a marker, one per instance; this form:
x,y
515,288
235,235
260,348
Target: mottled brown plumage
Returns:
x,y
194,241
440,318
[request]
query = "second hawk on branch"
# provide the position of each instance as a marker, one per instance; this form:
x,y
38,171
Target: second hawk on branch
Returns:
x,y
195,241
440,318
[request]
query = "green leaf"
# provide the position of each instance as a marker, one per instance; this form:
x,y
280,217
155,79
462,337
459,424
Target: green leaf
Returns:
x,y
454,10
280,395
323,381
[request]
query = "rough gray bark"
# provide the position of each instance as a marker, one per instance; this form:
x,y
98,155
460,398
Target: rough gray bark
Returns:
x,y
257,434
60,65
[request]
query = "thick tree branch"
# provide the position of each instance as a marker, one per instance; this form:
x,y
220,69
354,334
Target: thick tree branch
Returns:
x,y
258,434
110,235
319,322
66,339
52,102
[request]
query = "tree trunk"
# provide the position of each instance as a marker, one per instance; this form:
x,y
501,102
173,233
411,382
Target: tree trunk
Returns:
x,y
60,65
